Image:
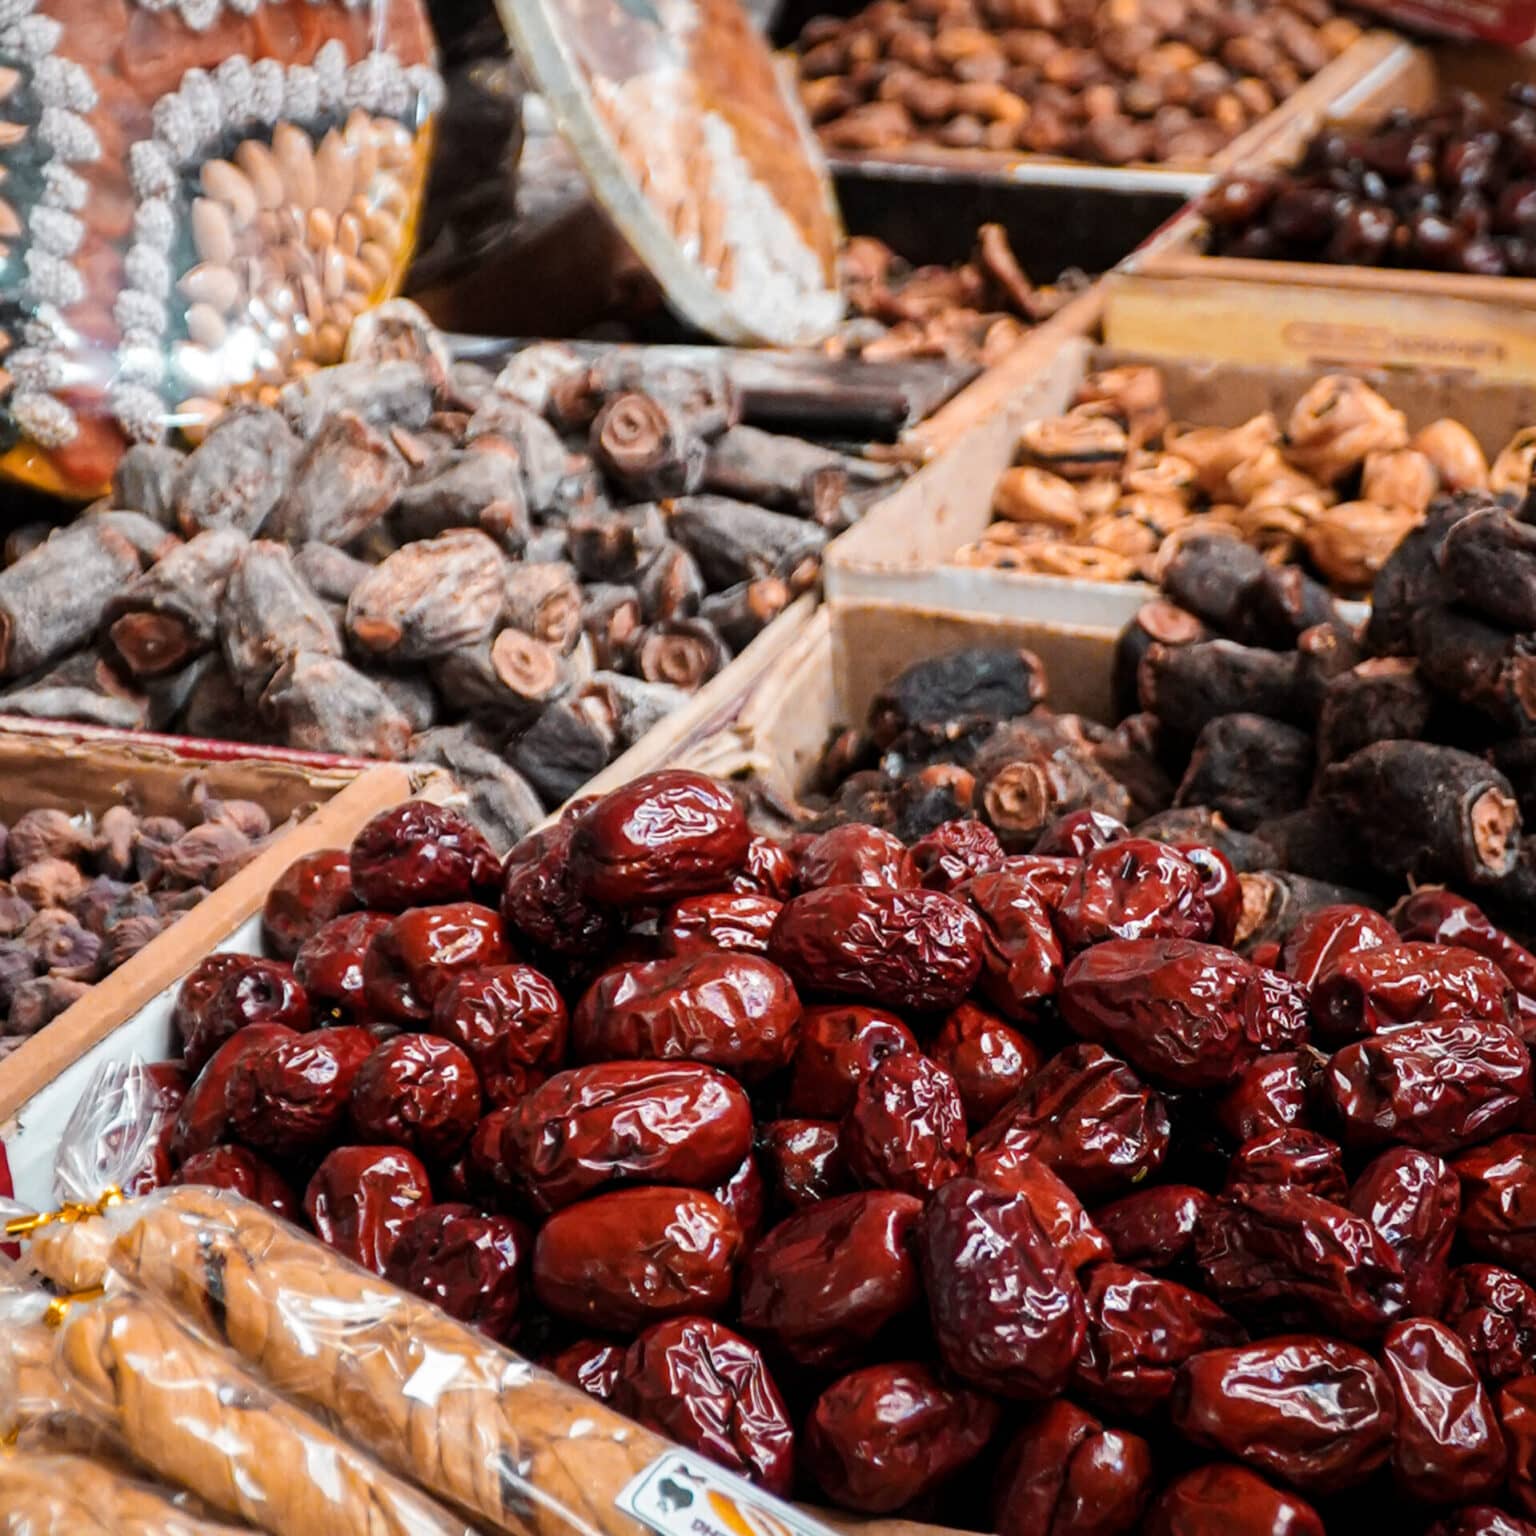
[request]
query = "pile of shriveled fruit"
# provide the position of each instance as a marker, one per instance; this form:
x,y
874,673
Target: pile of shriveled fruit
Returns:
x,y
997,1189
1110,490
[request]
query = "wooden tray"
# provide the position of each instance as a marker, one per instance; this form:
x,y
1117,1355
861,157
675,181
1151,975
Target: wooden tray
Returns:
x,y
900,552
1176,300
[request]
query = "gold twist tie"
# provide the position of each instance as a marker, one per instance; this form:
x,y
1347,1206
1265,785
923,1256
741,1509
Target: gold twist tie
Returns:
x,y
58,1308
71,1211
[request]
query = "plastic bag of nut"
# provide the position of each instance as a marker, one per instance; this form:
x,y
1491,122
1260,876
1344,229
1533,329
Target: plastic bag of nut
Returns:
x,y
204,1274
199,198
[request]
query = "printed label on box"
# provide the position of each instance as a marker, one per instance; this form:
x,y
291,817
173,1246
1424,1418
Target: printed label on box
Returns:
x,y
684,1495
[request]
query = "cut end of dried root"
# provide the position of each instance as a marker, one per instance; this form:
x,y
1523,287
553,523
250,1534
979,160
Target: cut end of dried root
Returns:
x,y
1495,831
151,643
378,635
1018,800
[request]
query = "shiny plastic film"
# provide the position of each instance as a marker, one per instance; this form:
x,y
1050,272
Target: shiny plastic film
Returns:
x,y
121,1364
699,151
197,197
509,1445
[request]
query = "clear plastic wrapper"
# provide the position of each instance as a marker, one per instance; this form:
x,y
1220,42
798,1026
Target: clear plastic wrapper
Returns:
x,y
199,196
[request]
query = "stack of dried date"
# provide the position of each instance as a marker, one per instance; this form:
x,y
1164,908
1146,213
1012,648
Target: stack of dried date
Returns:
x,y
1101,80
82,895
1110,490
997,1189
1452,189
514,578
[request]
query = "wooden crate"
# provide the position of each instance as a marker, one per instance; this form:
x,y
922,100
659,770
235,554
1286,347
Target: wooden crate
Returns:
x,y
1174,299
900,552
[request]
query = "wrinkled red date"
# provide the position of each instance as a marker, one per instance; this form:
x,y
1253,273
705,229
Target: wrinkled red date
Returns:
x,y
421,951
1316,1412
417,1092
1188,1015
361,1198
668,834
988,1059
955,851
1269,1094
906,1130
737,1012
591,1364
1449,1446
1079,833
1327,935
1153,1228
1006,1308
420,855
1066,1475
1372,989
511,1021
253,991
726,920
632,1257
1438,916
1022,960
469,1264
769,870
1221,886
804,1162
886,1435
710,1390
1089,1118
901,949
1498,1201
745,1196
1517,1414
329,964
1440,1086
293,1095
236,1169
855,854
1225,1500
1134,889
313,889
840,1045
203,1120
193,998
1413,1201
1055,1207
1494,1314
1290,1156
625,1122
543,904
824,1283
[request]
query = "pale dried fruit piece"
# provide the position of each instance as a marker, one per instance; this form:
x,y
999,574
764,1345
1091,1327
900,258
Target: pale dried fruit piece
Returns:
x,y
1216,451
1351,542
1402,477
1030,495
1457,456
1511,471
1134,394
1337,423
1077,446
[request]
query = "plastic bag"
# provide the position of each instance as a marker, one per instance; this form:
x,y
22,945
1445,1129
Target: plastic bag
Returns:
x,y
201,195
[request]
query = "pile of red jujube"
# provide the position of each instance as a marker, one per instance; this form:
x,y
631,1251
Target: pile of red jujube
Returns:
x,y
995,1190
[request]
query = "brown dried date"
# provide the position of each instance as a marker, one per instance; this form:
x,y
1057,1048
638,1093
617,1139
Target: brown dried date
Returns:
x,y
511,1021
906,1130
591,1364
1141,1329
1269,1094
733,1011
1089,1118
329,964
1449,1446
824,1283
1413,1200
469,1264
1064,1474
1498,1201
1188,1015
624,1122
1153,1228
1022,959
954,852
361,1198
1290,1156
292,1095
542,902
888,1434
855,854
409,962
725,920
988,1060
1284,1253
1440,1086
1007,1310
1370,990
1059,1212
1225,1500
315,888
417,1092
1323,937
236,1169
421,855
203,1120
804,1162
840,1045
633,1257
709,1390
1494,1314
254,991
668,834
1134,889
1316,1412
906,949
